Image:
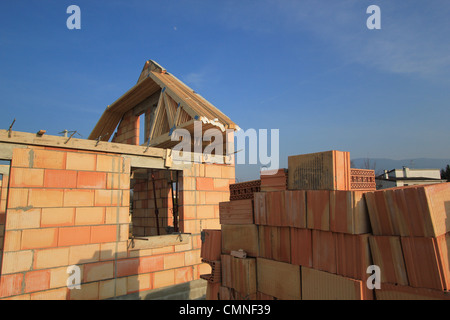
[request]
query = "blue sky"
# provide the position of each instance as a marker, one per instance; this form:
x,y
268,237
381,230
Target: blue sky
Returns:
x,y
309,68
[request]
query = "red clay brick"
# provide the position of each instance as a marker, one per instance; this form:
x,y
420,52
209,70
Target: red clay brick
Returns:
x,y
212,245
427,261
11,285
100,234
275,243
109,163
98,271
222,184
25,177
57,217
183,275
107,197
127,267
39,238
296,208
260,208
78,198
91,180
118,181
388,255
151,264
18,198
46,159
205,184
37,281
348,212
60,179
276,209
353,255
45,198
81,161
89,216
318,209
174,260
72,236
163,278
324,250
301,247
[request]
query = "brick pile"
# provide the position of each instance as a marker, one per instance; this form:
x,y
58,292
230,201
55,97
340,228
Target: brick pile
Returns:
x,y
314,241
410,241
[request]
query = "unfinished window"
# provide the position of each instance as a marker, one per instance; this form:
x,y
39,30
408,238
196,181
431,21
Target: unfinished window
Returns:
x,y
154,204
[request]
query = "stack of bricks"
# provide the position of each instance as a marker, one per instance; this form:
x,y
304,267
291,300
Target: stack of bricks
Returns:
x,y
244,190
210,254
274,180
301,243
316,240
411,241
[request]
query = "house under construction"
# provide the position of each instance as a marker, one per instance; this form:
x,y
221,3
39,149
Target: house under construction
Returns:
x,y
94,219
119,216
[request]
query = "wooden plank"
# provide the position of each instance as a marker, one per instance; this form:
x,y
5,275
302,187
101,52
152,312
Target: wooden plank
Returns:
x,y
127,101
24,138
235,237
157,118
278,279
4,170
173,95
148,103
6,150
170,109
159,241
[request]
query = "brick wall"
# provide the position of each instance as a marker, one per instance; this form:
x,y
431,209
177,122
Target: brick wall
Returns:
x,y
128,129
144,218
3,196
72,208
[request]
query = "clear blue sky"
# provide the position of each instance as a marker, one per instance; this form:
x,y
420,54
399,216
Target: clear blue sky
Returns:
x,y
309,68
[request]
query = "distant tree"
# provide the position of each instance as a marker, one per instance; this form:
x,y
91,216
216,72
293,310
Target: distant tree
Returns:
x,y
445,173
369,165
